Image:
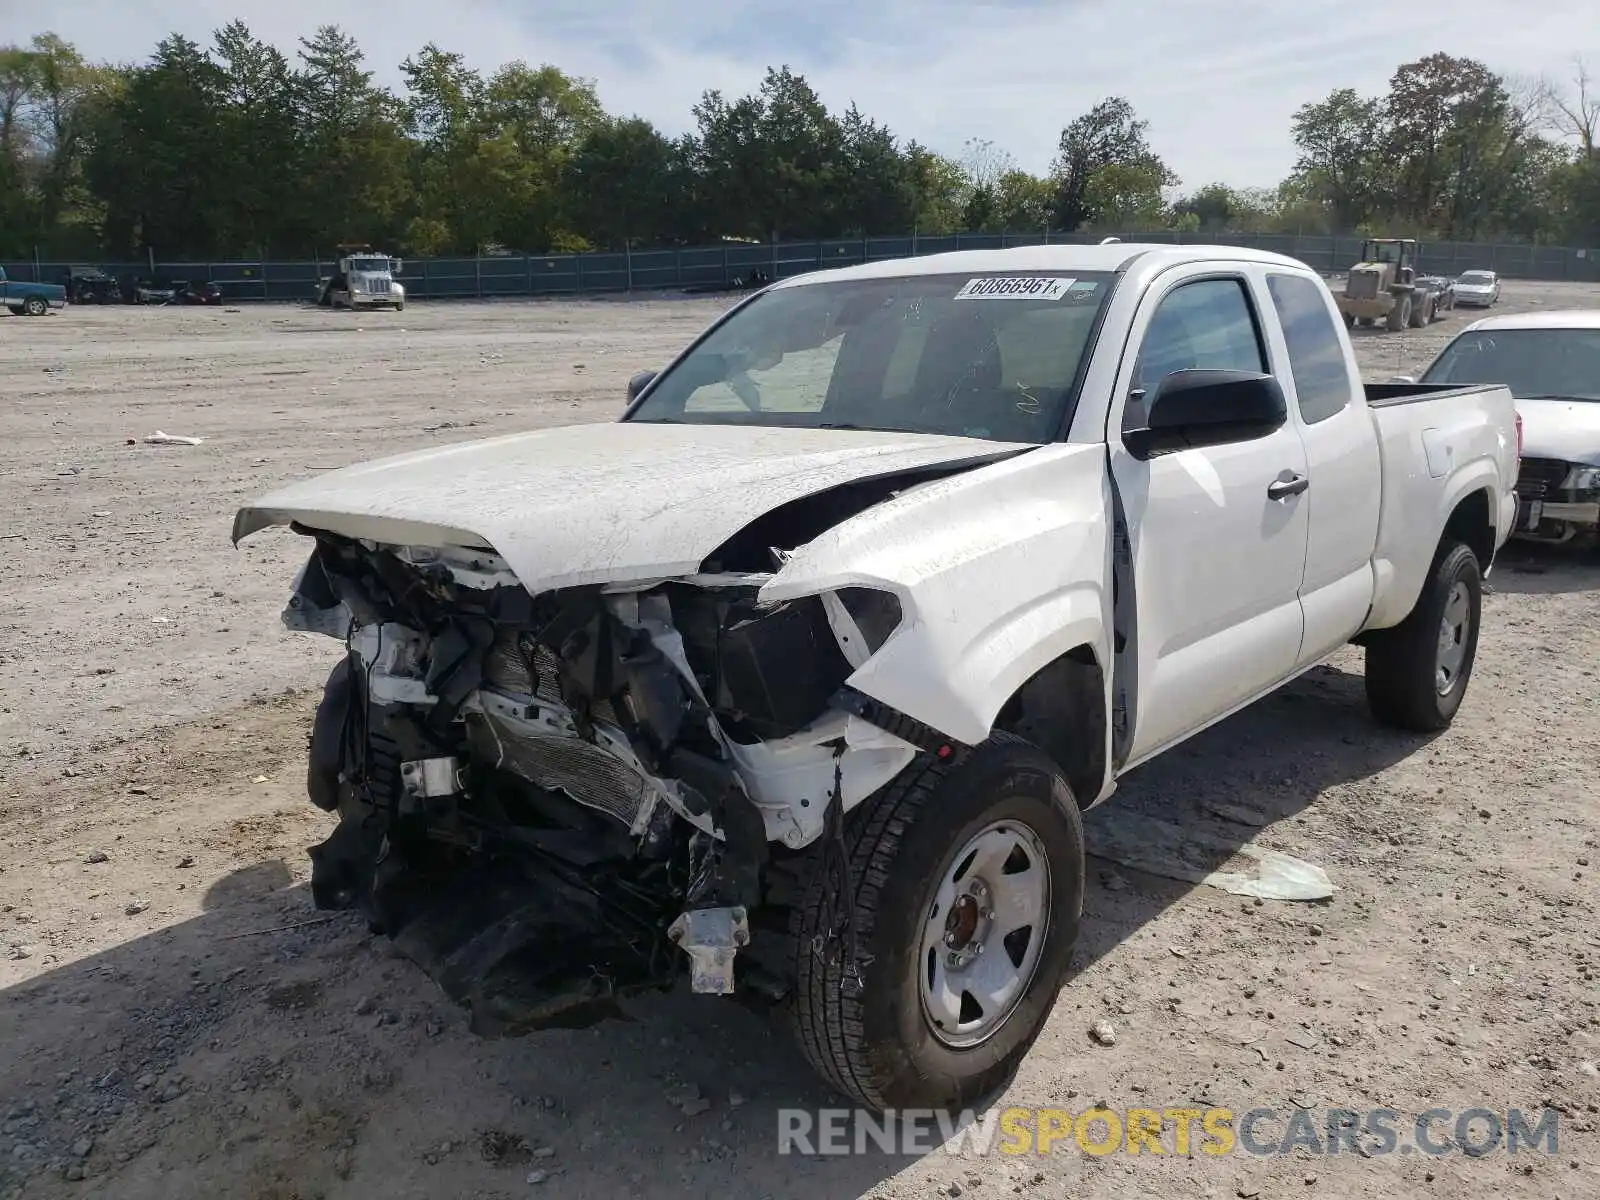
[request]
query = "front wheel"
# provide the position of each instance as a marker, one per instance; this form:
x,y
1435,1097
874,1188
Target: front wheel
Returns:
x,y
1417,672
968,886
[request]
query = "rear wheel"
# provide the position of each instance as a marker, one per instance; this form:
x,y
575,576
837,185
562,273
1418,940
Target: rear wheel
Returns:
x,y
1417,672
968,888
35,306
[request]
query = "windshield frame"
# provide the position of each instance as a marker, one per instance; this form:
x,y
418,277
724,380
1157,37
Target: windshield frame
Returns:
x,y
1068,403
1428,377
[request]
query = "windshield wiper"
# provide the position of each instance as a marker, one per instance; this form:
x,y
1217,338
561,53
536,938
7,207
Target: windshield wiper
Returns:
x,y
837,425
1555,396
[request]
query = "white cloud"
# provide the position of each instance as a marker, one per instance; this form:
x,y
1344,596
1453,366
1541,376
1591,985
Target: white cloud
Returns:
x,y
1218,81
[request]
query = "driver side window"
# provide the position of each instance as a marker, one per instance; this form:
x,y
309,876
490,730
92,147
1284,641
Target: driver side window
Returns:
x,y
1206,325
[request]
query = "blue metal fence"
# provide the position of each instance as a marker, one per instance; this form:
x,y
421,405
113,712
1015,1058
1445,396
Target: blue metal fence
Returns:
x,y
718,266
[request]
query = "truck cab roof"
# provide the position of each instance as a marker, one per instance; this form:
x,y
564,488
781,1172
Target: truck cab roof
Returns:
x,y
1117,256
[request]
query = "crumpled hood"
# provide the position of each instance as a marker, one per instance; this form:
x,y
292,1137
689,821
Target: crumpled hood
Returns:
x,y
599,503
1564,429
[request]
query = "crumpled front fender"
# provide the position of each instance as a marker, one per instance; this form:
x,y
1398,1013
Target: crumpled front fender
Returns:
x,y
998,571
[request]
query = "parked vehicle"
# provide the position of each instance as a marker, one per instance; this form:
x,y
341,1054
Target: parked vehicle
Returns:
x,y
365,279
1478,289
32,299
91,285
1444,291
155,291
197,293
1551,363
1384,286
808,665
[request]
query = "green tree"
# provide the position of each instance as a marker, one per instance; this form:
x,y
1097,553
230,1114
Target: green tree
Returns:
x,y
620,183
355,186
534,121
1104,157
257,146
1341,141
1127,196
772,158
153,162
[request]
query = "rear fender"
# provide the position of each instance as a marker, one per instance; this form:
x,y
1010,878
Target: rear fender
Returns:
x,y
1406,548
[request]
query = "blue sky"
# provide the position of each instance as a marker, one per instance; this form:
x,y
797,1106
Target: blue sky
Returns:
x,y
1217,79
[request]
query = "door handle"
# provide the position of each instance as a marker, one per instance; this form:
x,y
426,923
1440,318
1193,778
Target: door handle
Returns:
x,y
1282,489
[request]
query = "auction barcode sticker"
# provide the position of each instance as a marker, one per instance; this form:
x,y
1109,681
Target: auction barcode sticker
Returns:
x,y
1014,287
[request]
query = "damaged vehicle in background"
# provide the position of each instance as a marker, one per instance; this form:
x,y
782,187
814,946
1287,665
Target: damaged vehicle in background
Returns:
x,y
799,675
1551,363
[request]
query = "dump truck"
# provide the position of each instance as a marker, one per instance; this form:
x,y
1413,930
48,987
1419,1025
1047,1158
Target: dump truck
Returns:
x,y
365,279
1385,287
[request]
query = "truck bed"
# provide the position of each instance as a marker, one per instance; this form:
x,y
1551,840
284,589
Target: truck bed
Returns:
x,y
1385,395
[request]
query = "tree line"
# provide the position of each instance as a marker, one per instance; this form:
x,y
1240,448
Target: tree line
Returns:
x,y
237,150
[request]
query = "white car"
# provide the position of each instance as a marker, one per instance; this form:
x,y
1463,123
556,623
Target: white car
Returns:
x,y
1551,363
1477,289
807,666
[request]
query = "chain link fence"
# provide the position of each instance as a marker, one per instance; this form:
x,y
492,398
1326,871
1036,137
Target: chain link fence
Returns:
x,y
711,268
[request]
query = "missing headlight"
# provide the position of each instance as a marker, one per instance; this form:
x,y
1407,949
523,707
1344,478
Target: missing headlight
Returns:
x,y
876,614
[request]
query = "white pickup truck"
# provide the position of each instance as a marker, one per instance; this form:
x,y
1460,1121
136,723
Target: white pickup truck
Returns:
x,y
807,666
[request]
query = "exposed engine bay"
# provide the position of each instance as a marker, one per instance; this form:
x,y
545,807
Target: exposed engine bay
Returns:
x,y
544,798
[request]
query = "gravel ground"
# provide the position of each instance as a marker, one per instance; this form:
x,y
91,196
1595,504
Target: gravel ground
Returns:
x,y
176,1021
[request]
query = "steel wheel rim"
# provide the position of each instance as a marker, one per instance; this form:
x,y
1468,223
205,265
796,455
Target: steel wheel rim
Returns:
x,y
984,934
1454,629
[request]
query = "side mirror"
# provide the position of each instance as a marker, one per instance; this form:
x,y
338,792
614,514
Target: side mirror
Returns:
x,y
1195,408
638,384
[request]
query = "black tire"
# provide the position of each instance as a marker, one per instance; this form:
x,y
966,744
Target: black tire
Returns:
x,y
35,306
1404,687
1399,316
877,1046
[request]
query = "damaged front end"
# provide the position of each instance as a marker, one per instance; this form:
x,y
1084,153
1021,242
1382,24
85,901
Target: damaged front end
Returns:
x,y
546,798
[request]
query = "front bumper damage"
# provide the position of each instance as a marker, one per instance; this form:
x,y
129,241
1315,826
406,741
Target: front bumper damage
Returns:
x,y
545,799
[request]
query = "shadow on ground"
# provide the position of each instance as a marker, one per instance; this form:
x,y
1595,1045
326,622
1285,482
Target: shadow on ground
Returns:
x,y
1527,569
266,1051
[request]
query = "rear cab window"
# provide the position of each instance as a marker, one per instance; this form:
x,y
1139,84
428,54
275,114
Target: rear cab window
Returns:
x,y
1317,361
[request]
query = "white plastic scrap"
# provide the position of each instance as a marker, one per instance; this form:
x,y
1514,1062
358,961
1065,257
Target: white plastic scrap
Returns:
x,y
171,439
1194,854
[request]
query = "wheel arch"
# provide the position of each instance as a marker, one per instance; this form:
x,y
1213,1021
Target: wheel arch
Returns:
x,y
1062,709
1471,522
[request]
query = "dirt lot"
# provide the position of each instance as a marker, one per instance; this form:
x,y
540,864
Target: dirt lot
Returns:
x,y
176,1021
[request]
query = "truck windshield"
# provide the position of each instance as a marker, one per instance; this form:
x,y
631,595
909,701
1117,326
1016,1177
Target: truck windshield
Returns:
x,y
369,264
1534,363
972,355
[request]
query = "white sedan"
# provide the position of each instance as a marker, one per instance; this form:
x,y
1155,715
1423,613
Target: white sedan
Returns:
x,y
1478,289
1551,363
